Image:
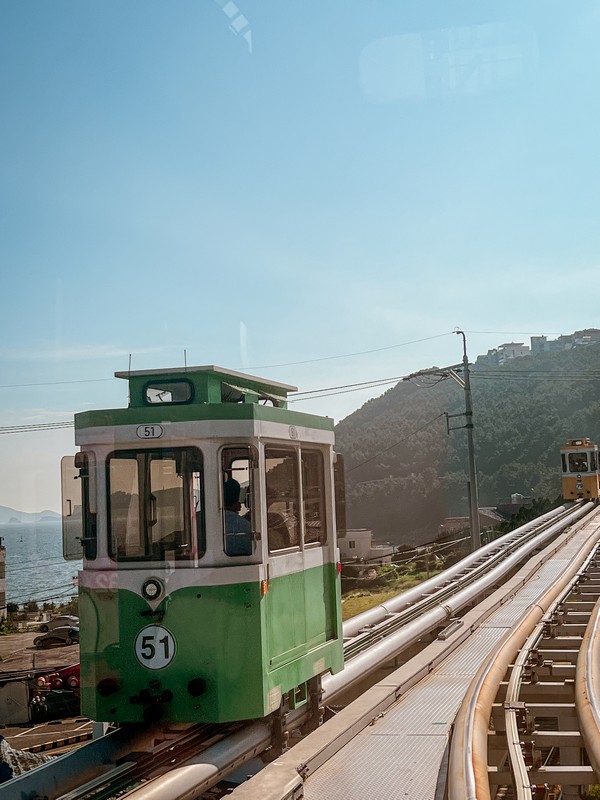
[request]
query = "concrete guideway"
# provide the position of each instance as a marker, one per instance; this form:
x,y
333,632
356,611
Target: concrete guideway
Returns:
x,y
392,741
550,659
204,769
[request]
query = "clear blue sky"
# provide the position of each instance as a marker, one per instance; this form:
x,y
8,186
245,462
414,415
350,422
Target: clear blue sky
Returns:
x,y
266,182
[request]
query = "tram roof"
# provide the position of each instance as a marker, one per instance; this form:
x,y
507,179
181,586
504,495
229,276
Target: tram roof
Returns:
x,y
192,394
243,376
211,384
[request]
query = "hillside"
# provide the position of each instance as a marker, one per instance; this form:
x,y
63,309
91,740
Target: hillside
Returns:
x,y
404,474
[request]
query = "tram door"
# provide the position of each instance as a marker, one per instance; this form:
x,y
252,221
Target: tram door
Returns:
x,y
285,597
302,591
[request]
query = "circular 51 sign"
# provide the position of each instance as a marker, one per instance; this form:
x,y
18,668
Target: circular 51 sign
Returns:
x,y
155,647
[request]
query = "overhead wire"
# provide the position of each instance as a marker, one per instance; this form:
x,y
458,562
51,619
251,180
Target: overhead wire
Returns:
x,y
40,426
358,353
261,366
331,391
391,447
52,383
342,390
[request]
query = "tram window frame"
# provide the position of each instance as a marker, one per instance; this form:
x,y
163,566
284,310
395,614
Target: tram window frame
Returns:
x,y
156,384
89,540
188,464
238,543
280,527
321,538
578,466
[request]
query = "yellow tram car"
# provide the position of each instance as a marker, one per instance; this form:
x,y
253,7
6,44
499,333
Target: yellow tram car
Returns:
x,y
580,470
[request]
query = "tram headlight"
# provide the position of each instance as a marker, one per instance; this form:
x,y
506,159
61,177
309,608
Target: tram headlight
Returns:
x,y
152,589
107,686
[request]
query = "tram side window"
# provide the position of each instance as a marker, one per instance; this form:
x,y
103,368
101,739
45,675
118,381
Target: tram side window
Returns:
x,y
593,461
90,540
127,540
564,462
155,503
283,503
237,465
198,508
167,523
79,512
313,496
578,462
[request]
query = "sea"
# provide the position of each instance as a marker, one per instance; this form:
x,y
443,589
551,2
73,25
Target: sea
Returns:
x,y
35,567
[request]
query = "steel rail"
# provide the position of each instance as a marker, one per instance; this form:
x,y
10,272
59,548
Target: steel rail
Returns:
x,y
521,781
201,772
468,762
367,662
215,762
378,614
65,773
189,780
165,756
587,689
450,586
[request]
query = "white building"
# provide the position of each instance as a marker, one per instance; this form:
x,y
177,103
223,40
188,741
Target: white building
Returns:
x,y
357,545
511,350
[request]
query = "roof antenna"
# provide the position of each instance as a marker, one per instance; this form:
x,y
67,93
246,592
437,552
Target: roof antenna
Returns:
x,y
129,382
185,360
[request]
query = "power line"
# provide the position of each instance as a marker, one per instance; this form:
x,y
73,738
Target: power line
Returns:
x,y
533,377
331,391
343,389
391,447
358,353
53,562
518,333
349,385
52,383
262,366
41,426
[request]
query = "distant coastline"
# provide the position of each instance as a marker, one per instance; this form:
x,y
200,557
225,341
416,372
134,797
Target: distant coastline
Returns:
x,y
12,516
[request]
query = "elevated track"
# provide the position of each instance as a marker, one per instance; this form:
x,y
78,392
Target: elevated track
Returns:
x,y
450,625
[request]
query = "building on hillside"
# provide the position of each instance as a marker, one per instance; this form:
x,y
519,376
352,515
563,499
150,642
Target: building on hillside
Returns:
x,y
541,344
489,518
587,336
503,353
490,359
510,350
357,545
517,502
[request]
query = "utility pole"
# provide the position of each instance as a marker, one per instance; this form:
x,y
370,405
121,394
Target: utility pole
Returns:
x,y
473,494
464,382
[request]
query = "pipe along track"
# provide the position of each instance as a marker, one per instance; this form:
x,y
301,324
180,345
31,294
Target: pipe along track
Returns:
x,y
511,736
374,638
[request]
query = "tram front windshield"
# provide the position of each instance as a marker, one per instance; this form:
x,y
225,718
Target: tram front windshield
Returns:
x,y
155,504
578,462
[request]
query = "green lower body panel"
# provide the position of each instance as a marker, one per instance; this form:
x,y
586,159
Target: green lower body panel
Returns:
x,y
207,653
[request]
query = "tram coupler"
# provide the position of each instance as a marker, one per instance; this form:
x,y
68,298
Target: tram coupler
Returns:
x,y
316,710
279,735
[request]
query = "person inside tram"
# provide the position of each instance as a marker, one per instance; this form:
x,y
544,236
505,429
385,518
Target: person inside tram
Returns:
x,y
578,462
238,530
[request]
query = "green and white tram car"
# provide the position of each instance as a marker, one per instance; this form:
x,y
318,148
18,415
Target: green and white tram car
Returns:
x,y
205,516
